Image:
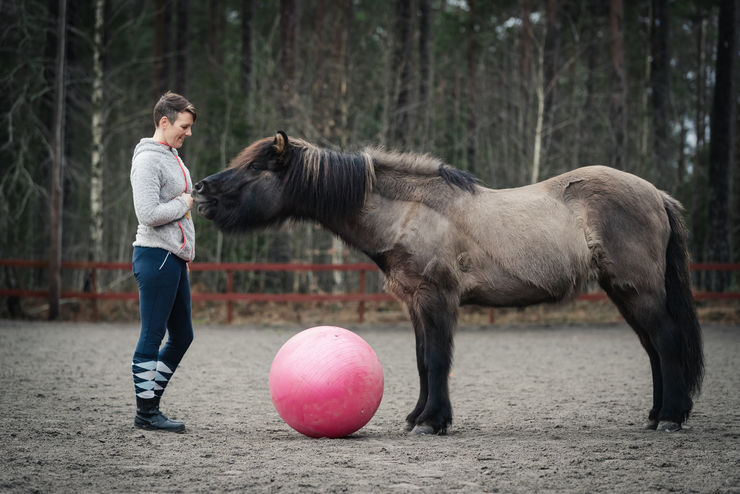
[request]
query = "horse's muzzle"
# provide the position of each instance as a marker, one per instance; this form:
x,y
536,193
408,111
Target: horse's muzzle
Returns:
x,y
205,205
199,188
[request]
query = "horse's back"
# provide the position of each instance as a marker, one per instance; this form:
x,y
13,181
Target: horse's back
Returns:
x,y
556,234
528,244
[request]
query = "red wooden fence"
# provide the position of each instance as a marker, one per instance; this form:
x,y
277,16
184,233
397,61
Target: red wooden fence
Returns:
x,y
229,296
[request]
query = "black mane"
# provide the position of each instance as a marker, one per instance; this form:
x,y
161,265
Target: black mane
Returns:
x,y
328,181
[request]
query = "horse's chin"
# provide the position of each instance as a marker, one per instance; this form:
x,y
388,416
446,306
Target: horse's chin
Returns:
x,y
205,210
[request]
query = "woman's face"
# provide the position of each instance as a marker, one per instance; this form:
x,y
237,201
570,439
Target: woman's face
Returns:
x,y
174,133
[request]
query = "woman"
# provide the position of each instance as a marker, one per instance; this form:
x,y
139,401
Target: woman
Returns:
x,y
165,243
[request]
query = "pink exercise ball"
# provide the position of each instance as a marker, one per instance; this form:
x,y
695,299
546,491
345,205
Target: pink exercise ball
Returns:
x,y
326,382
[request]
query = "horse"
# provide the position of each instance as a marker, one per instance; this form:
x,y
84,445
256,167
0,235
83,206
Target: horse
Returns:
x,y
442,240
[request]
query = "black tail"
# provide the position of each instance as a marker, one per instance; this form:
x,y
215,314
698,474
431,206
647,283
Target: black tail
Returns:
x,y
679,300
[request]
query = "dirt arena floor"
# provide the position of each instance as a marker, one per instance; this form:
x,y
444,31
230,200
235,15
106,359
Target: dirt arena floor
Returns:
x,y
537,409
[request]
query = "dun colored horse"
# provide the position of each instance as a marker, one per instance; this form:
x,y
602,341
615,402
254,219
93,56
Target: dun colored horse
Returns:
x,y
442,240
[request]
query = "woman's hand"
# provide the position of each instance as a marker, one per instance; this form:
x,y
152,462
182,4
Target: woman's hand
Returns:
x,y
188,199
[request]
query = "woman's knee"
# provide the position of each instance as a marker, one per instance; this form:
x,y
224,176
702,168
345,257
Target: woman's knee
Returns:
x,y
182,340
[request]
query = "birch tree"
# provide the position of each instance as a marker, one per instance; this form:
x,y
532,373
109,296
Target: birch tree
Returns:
x,y
96,156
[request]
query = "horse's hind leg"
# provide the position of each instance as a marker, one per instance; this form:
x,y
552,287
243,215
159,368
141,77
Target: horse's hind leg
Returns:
x,y
659,334
643,334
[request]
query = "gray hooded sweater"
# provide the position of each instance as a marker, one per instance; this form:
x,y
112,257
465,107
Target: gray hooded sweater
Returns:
x,y
158,177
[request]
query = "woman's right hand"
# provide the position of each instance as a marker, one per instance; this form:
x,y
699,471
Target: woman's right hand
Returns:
x,y
188,199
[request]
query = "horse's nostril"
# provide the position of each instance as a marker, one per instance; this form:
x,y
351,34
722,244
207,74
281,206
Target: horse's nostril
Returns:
x,y
199,187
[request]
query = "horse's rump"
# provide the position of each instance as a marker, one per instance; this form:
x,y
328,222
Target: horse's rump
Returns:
x,y
624,222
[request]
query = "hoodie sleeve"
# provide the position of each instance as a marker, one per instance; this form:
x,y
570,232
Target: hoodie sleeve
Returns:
x,y
146,185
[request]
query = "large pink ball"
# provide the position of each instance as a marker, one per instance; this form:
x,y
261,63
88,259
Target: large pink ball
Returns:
x,y
326,382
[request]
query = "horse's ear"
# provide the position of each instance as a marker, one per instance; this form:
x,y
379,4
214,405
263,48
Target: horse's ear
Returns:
x,y
282,150
281,142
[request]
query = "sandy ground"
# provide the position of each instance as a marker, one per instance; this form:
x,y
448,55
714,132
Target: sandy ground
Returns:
x,y
537,409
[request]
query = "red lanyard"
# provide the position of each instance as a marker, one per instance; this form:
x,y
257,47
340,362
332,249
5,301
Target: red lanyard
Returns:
x,y
179,162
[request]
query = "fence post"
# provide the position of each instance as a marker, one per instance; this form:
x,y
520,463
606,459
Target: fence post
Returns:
x,y
361,306
229,288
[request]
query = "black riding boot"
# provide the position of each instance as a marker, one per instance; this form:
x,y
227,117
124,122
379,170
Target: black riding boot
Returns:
x,y
149,417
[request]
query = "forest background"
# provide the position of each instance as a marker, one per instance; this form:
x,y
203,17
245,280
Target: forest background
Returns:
x,y
513,91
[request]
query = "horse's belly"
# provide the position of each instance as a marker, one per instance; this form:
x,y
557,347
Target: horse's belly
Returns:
x,y
535,277
510,292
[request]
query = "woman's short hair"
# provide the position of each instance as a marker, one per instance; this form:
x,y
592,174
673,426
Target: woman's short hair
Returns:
x,y
170,105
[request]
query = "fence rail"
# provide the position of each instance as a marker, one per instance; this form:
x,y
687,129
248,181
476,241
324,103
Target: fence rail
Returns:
x,y
230,296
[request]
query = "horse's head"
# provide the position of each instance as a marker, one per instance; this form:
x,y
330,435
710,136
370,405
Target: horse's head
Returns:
x,y
250,193
274,179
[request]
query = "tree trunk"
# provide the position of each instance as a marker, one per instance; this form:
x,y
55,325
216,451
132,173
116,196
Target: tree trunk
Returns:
x,y
619,84
722,144
95,252
471,120
660,72
551,68
282,240
645,165
426,55
247,60
699,176
401,73
181,56
591,44
288,58
525,83
681,164
57,169
161,74
216,26
592,54
735,216
540,90
342,30
525,49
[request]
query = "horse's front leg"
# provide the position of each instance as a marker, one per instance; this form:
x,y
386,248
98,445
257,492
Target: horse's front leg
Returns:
x,y
436,311
421,367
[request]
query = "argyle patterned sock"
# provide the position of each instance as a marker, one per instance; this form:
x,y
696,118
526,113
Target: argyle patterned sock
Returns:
x,y
150,376
144,371
162,375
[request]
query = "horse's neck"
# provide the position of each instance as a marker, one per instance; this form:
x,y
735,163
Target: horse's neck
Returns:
x,y
354,228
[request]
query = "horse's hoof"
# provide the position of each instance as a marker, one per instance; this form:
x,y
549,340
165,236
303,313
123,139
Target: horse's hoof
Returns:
x,y
651,425
409,426
667,426
423,430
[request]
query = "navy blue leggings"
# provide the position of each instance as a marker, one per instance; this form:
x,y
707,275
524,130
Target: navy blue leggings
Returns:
x,y
164,305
